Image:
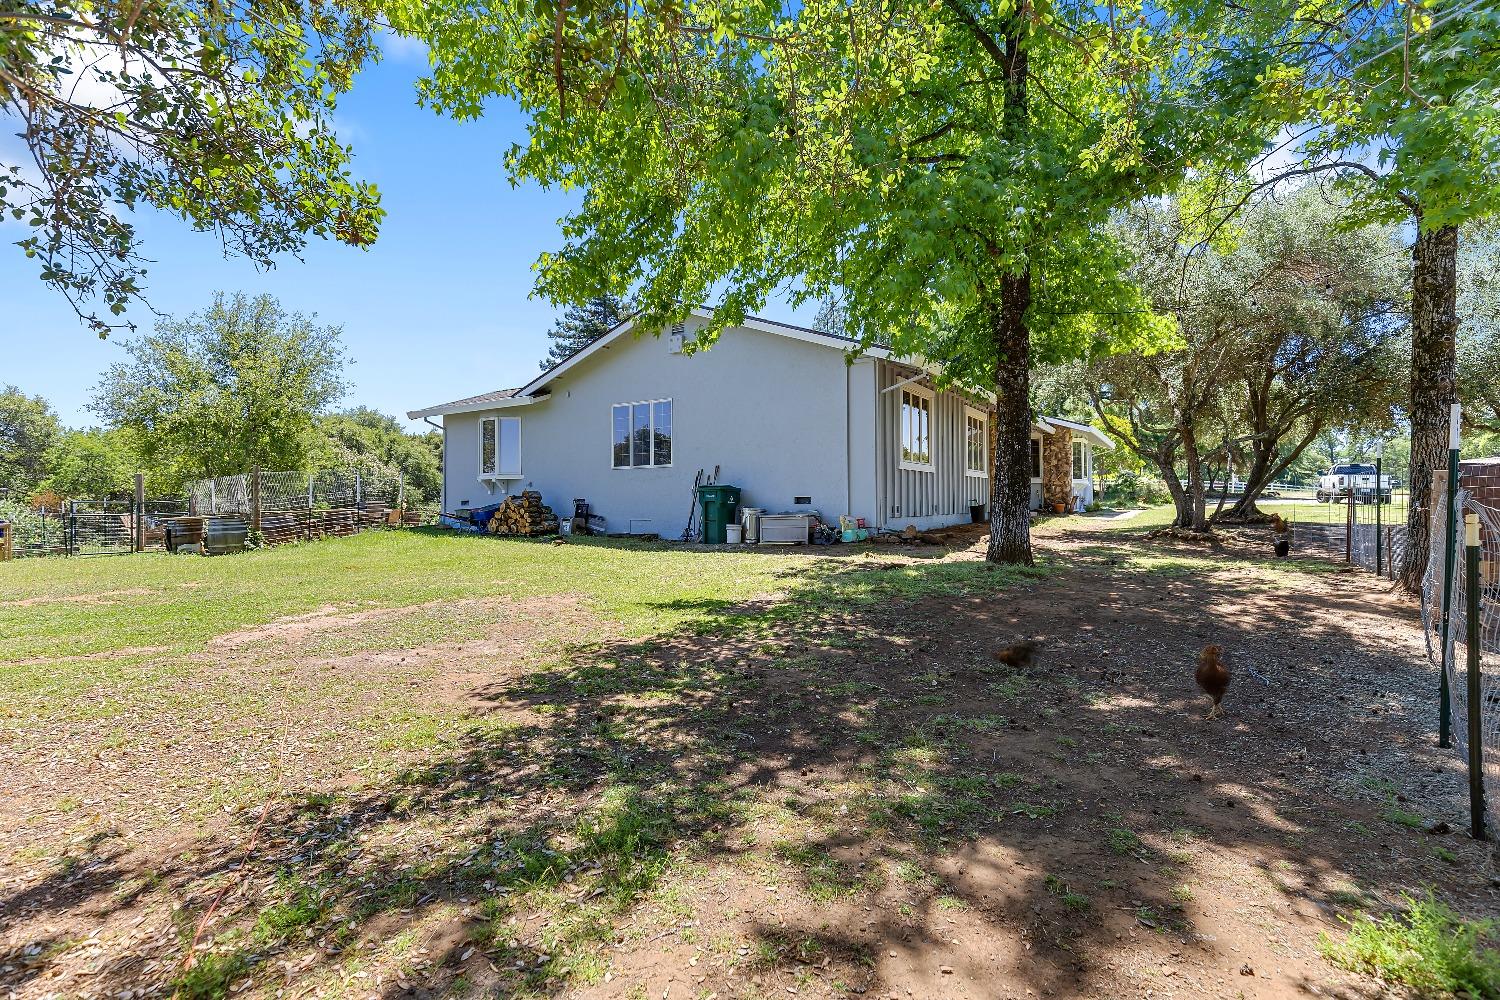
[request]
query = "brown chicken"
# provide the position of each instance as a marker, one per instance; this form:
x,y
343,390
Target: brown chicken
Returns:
x,y
1021,655
1278,525
1213,677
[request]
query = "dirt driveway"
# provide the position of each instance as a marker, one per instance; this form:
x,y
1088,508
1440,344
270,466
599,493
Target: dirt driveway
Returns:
x,y
814,795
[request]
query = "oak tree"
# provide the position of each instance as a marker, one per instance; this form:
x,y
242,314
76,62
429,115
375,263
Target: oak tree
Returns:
x,y
947,166
219,112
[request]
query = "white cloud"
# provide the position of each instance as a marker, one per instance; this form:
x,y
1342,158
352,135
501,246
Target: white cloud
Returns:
x,y
402,48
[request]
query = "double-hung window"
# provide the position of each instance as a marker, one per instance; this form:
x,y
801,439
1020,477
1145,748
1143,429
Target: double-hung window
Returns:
x,y
1036,458
499,447
916,429
976,443
641,434
1080,461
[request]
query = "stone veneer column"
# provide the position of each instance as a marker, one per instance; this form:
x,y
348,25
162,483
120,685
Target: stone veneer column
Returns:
x,y
1057,467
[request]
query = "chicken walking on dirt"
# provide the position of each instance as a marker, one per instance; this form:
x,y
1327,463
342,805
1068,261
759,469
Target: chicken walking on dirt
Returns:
x,y
1213,677
1021,655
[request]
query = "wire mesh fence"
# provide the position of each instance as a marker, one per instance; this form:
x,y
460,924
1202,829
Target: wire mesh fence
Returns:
x,y
300,506
1461,617
89,527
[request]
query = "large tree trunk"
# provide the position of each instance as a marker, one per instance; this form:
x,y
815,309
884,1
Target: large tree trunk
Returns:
x,y
1262,474
1434,332
1196,518
1010,487
1182,504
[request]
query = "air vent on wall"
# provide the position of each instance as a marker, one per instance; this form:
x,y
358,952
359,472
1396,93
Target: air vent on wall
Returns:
x,y
677,338
801,500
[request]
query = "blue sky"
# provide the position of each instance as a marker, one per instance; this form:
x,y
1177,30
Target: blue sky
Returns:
x,y
438,309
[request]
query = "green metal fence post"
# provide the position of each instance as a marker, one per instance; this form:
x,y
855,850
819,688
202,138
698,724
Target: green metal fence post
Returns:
x,y
1475,704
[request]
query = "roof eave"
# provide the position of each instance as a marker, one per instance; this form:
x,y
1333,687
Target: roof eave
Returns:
x,y
448,409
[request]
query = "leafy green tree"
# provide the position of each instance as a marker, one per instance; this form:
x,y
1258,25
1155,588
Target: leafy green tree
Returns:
x,y
581,325
1416,90
1289,325
28,432
239,384
362,436
219,112
94,464
1477,361
948,166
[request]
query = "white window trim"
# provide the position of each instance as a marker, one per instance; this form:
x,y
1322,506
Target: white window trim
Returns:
x,y
984,443
931,464
652,464
497,475
1041,456
1082,448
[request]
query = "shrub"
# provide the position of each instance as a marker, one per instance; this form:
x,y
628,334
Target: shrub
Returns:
x,y
1132,489
1429,948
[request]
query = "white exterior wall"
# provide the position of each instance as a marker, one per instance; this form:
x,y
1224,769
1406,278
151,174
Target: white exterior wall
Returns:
x,y
1084,488
932,498
782,418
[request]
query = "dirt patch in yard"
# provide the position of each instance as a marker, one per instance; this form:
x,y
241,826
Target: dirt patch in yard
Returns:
x,y
828,796
103,597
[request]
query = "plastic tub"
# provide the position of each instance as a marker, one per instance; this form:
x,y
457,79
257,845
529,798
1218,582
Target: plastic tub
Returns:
x,y
734,534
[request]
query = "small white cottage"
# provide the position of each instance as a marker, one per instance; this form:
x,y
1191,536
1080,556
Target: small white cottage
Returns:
x,y
628,422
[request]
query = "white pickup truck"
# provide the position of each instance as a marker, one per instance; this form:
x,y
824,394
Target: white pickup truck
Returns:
x,y
1358,481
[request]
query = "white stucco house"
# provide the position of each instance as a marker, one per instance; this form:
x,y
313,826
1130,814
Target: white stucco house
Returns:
x,y
628,422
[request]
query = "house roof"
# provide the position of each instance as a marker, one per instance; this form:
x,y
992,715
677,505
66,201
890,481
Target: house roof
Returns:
x,y
483,401
1094,434
529,393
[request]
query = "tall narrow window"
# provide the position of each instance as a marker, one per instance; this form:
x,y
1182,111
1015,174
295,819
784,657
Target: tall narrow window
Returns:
x,y
499,447
916,422
1079,464
641,434
976,443
1036,458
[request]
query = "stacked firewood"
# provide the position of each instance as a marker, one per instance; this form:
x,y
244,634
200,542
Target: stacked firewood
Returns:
x,y
524,515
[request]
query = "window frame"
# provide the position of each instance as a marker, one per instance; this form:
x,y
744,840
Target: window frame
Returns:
x,y
650,405
983,419
915,392
1037,464
1080,461
498,475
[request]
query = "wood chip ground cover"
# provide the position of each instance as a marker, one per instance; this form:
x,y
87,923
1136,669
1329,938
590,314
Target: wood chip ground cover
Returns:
x,y
643,772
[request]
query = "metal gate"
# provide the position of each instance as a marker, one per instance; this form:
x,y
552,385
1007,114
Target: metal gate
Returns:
x,y
117,527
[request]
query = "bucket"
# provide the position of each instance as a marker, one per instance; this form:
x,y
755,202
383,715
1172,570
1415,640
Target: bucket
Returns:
x,y
750,520
734,534
1283,546
976,513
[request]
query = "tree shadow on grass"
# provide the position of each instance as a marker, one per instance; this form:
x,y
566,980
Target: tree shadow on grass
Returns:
x,y
829,788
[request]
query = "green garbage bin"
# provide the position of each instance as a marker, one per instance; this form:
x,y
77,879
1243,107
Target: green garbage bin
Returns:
x,y
719,504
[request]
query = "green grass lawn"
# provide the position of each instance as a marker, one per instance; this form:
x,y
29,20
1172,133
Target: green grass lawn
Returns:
x,y
500,767
76,607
